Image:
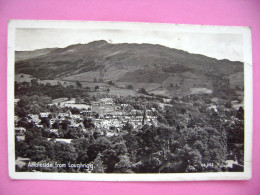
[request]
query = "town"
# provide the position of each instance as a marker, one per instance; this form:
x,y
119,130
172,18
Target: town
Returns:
x,y
107,117
123,133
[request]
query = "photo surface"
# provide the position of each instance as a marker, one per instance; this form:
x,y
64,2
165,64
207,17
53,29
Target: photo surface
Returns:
x,y
129,101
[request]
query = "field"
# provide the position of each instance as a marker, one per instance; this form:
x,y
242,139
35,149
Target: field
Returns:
x,y
19,78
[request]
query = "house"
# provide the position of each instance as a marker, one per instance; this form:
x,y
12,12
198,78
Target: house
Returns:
x,y
20,137
214,107
76,116
153,109
95,103
44,114
52,121
20,130
16,119
68,141
55,131
106,100
110,134
86,113
16,101
34,118
63,115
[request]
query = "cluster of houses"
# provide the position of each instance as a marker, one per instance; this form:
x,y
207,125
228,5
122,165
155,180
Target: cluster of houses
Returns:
x,y
107,117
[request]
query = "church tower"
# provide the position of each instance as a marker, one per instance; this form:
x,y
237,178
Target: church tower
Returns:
x,y
144,117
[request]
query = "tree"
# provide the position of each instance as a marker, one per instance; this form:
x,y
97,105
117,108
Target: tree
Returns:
x,y
23,122
87,100
78,100
133,144
50,116
33,136
161,119
98,162
81,146
22,108
65,124
65,153
129,86
236,132
228,105
124,165
240,113
87,88
73,133
87,122
96,87
96,115
70,86
45,121
20,148
75,110
37,153
143,91
120,148
56,125
94,98
111,83
49,148
128,127
98,146
110,158
47,84
34,82
78,84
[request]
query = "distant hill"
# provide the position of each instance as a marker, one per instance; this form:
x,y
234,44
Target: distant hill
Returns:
x,y
25,55
161,69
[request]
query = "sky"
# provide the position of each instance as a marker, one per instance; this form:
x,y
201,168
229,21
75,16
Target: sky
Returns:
x,y
216,45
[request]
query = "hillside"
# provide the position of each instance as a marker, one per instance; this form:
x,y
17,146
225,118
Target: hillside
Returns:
x,y
160,70
24,55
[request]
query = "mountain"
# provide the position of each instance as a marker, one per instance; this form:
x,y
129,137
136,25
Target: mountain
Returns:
x,y
24,55
161,69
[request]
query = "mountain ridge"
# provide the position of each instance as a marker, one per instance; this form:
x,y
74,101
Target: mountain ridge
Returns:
x,y
103,41
129,62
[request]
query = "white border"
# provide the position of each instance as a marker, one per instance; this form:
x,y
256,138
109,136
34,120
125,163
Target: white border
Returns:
x,y
248,100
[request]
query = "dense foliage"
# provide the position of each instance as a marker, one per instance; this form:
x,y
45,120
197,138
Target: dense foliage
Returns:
x,y
190,136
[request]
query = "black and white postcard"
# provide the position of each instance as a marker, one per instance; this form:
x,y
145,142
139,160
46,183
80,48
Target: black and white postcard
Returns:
x,y
118,101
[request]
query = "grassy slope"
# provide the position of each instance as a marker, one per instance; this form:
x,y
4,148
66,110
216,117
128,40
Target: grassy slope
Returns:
x,y
158,69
